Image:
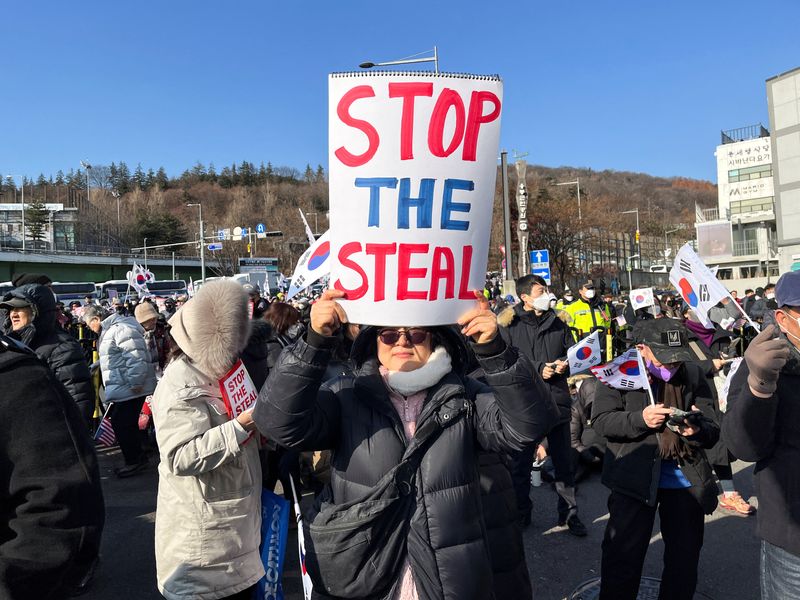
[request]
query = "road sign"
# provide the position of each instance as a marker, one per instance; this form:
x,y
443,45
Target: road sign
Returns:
x,y
221,235
261,228
540,264
215,246
544,273
244,232
540,257
237,231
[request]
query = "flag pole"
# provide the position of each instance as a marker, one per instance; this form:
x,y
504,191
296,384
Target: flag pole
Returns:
x,y
105,414
753,324
646,378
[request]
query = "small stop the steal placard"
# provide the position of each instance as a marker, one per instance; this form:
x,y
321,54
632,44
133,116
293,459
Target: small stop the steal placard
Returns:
x,y
238,391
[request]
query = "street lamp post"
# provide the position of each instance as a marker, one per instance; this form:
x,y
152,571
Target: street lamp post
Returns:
x,y
202,241
638,243
145,253
666,243
406,61
506,217
630,280
115,193
11,179
577,183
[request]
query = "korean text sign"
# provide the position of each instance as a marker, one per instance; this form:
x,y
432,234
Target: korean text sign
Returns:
x,y
413,163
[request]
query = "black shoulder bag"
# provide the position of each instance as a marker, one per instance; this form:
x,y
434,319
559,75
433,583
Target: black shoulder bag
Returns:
x,y
356,550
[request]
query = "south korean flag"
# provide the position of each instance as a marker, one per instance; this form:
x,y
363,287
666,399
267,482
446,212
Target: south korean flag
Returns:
x,y
585,354
625,372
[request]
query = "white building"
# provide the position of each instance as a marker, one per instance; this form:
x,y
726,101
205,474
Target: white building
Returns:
x,y
783,97
58,234
740,234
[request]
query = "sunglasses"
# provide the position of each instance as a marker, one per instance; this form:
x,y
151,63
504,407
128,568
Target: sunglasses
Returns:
x,y
413,336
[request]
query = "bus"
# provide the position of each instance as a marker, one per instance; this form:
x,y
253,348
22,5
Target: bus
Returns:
x,y
119,288
76,290
168,288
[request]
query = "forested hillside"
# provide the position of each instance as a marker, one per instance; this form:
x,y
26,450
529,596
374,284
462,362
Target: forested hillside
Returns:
x,y
153,205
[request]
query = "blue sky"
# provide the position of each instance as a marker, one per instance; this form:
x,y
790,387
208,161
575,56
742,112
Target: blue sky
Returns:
x,y
629,86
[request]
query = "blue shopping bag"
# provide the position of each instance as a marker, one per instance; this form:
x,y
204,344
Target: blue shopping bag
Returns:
x,y
274,534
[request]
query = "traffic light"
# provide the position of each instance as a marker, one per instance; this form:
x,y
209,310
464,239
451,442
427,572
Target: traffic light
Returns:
x,y
637,236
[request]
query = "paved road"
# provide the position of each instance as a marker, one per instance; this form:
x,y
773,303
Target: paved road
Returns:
x,y
558,562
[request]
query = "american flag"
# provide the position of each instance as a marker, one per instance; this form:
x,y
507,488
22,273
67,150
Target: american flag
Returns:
x,y
104,436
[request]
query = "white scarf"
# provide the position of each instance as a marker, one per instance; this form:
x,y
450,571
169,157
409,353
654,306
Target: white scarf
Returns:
x,y
407,383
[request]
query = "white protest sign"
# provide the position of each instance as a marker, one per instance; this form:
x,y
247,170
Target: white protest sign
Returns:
x,y
314,264
413,162
238,390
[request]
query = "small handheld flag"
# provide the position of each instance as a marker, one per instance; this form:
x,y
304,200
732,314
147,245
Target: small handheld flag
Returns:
x,y
642,298
625,372
104,436
584,354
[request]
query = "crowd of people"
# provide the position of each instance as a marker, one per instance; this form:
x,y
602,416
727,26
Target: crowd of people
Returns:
x,y
417,442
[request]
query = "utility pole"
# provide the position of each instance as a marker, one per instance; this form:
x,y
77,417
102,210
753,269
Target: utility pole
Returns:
x,y
506,217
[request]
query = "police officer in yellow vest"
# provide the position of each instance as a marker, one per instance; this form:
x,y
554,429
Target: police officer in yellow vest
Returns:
x,y
589,312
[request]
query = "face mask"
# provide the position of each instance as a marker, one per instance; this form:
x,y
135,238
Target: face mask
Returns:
x,y
663,373
770,296
541,303
590,294
568,297
797,321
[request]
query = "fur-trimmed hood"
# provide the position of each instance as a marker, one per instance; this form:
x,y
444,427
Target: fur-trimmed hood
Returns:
x,y
507,316
212,328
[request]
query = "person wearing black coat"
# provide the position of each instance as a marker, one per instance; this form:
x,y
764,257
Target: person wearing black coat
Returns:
x,y
651,467
51,502
539,334
709,346
588,447
31,319
763,425
419,412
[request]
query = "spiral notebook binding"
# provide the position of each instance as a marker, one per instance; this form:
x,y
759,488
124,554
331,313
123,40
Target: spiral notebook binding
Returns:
x,y
416,74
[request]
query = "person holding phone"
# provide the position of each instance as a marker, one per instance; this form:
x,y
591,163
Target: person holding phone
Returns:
x,y
655,461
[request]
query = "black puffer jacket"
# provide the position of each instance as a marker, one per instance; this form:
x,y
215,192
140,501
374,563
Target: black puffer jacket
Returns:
x,y
632,463
62,352
542,339
582,434
767,430
255,355
447,542
51,503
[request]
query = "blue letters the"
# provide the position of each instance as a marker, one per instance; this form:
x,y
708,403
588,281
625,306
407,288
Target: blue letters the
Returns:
x,y
375,184
423,204
448,206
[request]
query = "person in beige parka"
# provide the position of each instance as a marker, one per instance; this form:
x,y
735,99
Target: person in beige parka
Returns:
x,y
208,518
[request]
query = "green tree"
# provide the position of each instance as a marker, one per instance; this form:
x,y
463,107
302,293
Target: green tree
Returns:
x,y
308,176
139,178
162,181
211,174
160,228
123,178
319,177
60,177
36,219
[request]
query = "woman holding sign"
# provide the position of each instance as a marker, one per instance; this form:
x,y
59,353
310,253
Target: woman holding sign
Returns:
x,y
402,516
208,519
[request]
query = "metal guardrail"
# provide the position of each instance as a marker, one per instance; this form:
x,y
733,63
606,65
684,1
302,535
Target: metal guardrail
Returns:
x,y
88,250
